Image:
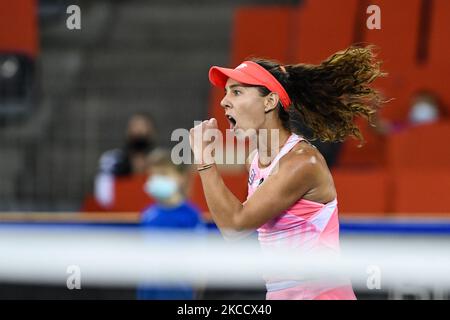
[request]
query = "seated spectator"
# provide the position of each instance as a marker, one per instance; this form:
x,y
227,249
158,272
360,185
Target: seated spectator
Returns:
x,y
128,160
167,184
425,108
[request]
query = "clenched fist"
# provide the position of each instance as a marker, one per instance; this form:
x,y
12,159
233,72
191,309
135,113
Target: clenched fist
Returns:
x,y
201,138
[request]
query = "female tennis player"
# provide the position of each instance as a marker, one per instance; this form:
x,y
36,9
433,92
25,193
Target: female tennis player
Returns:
x,y
294,207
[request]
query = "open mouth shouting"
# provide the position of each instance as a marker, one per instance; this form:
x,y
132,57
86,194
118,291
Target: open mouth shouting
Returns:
x,y
232,121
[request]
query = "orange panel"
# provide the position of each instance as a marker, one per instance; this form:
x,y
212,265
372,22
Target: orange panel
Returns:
x,y
130,194
440,30
397,41
434,75
196,194
235,181
324,27
371,154
18,27
421,147
261,31
90,204
362,191
423,191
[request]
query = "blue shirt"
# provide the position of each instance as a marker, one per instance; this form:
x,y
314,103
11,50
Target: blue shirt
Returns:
x,y
183,217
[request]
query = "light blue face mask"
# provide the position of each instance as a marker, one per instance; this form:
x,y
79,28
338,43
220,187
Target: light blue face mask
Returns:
x,y
161,187
423,112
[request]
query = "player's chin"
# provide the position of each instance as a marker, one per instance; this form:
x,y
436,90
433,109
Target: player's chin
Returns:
x,y
242,132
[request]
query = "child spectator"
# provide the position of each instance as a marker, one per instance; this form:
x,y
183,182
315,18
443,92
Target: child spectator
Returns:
x,y
167,184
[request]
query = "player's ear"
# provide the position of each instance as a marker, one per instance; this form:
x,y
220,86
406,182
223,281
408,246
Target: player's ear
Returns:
x,y
271,102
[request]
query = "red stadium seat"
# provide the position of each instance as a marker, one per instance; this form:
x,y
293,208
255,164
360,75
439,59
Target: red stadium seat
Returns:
x,y
130,194
371,154
236,181
324,27
433,75
397,42
440,29
420,148
19,27
362,192
90,204
196,194
419,161
423,191
261,31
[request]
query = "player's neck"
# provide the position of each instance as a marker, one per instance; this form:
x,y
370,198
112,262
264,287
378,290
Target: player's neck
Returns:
x,y
269,142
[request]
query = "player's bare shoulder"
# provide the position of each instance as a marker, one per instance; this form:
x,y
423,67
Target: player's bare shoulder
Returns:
x,y
304,159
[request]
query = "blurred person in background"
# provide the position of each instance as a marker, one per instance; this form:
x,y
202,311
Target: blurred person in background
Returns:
x,y
126,161
425,109
168,184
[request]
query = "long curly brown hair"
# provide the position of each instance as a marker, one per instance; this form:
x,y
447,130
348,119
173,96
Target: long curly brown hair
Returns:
x,y
329,97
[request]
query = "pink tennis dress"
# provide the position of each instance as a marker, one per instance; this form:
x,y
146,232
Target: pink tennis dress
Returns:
x,y
305,226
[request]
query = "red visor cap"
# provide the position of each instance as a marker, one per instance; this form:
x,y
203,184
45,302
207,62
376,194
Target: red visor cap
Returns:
x,y
249,72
